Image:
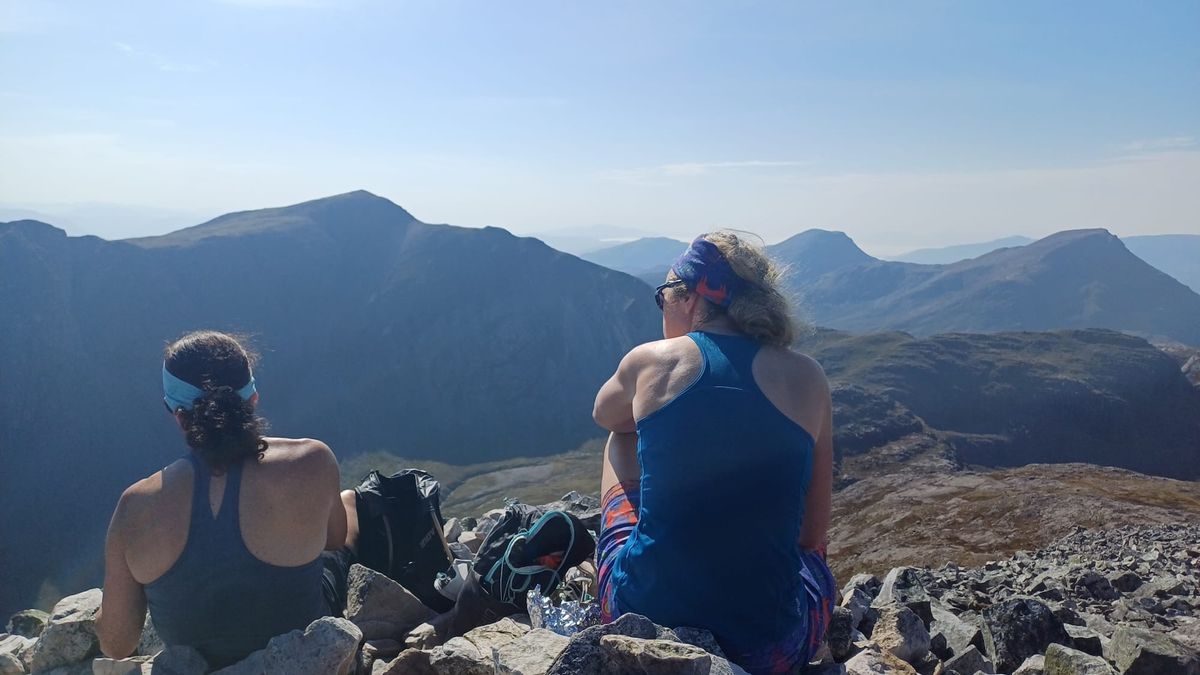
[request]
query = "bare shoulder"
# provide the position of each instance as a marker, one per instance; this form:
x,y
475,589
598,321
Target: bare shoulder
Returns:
x,y
800,369
301,454
665,352
143,500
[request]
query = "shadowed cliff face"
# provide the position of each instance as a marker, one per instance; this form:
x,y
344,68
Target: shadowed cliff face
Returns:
x,y
376,331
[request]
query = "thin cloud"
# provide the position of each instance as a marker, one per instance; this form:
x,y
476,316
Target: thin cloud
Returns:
x,y
657,175
161,63
1160,144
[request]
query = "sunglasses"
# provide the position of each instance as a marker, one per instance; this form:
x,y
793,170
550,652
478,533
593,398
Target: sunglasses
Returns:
x,y
658,292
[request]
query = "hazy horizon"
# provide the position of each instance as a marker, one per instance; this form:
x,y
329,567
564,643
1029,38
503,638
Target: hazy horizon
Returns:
x,y
907,126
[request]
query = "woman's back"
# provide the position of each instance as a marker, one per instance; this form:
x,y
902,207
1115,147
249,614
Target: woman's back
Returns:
x,y
230,560
723,468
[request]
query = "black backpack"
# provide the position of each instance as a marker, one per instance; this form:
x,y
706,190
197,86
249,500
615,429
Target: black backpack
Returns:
x,y
529,547
400,523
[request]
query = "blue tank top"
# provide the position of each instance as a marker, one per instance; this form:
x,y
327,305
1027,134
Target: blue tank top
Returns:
x,y
218,597
724,479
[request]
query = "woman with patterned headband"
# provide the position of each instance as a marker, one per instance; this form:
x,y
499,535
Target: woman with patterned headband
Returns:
x,y
718,473
224,545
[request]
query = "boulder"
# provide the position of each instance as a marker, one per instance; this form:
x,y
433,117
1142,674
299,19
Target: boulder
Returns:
x,y
452,530
970,661
179,660
1085,639
699,637
858,602
1034,665
460,656
901,633
424,636
472,540
380,607
531,654
582,654
867,583
409,662
1137,651
903,586
1062,660
70,633
584,507
328,645
959,633
496,635
1016,629
1094,585
11,665
839,634
132,666
876,662
1126,582
16,646
623,654
27,623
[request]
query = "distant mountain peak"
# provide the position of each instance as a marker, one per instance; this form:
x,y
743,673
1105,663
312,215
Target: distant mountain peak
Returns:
x,y
819,251
329,213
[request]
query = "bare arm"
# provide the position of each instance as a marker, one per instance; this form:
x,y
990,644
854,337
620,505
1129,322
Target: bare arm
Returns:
x,y
819,504
614,402
123,607
330,487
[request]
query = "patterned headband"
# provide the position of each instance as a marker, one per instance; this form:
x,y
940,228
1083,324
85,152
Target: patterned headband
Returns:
x,y
703,269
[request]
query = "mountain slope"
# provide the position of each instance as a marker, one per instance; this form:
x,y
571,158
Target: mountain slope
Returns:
x,y
638,257
1175,254
1072,279
378,332
952,254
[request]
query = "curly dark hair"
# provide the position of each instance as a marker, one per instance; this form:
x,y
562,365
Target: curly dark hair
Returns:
x,y
221,428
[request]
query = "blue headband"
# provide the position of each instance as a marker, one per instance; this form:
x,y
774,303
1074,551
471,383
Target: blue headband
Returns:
x,y
705,270
179,394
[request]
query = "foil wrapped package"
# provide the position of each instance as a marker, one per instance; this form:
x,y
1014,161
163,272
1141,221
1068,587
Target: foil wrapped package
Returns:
x,y
565,618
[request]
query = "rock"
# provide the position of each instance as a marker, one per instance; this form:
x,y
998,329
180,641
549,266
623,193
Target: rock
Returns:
x,y
10,665
452,529
901,632
380,607
1016,629
1062,660
970,661
460,656
27,623
867,583
16,646
623,654
132,666
1034,665
826,669
858,602
472,540
495,635
409,662
150,643
78,668
70,632
1126,582
1085,639
179,660
584,507
1137,651
382,650
903,586
699,637
959,633
327,645
875,662
839,633
531,654
424,636
1093,585
582,655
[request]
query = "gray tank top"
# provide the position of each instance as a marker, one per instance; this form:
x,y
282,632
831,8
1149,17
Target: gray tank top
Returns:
x,y
218,597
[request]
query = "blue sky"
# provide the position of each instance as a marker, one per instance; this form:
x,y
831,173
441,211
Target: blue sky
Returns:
x,y
904,124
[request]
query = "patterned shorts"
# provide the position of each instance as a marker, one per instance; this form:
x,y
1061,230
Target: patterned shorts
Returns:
x,y
619,515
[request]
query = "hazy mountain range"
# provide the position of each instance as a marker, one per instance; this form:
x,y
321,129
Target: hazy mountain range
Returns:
x,y
380,332
377,331
952,254
1072,279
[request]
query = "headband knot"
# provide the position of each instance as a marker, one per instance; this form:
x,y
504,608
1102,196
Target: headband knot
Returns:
x,y
704,269
178,394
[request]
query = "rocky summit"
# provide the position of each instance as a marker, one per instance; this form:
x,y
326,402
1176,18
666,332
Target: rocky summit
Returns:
x,y
1122,601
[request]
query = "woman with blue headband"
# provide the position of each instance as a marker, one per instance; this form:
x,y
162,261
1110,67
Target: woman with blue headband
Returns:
x,y
718,473
223,545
